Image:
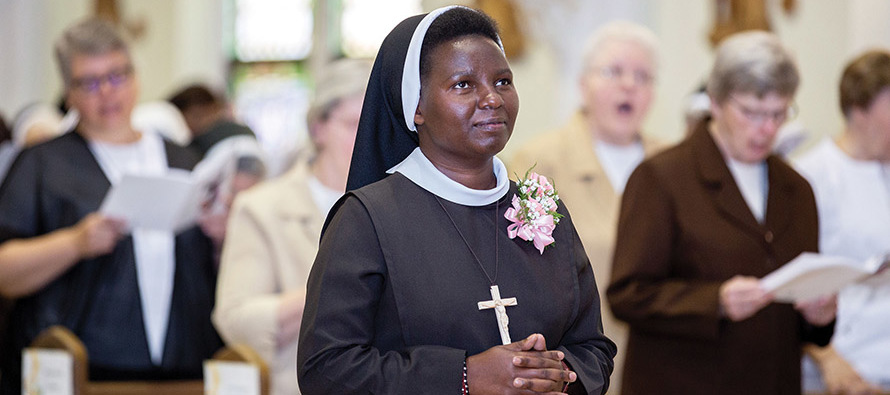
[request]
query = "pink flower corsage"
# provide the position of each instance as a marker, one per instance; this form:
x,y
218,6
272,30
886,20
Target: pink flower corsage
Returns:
x,y
534,213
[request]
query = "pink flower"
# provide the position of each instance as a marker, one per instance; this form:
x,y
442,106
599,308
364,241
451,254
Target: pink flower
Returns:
x,y
533,214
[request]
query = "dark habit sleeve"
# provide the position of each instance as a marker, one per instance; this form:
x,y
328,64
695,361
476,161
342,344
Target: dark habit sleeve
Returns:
x,y
350,342
588,351
20,199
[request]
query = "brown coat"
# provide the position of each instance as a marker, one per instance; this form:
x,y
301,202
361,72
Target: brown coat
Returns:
x,y
684,229
567,157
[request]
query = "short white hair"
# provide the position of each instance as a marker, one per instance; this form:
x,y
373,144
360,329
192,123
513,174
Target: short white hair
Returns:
x,y
338,80
752,62
620,30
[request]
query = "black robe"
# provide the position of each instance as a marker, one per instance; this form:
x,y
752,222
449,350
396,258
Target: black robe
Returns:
x,y
53,186
392,296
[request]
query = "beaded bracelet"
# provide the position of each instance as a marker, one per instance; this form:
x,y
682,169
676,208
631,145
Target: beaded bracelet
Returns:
x,y
465,389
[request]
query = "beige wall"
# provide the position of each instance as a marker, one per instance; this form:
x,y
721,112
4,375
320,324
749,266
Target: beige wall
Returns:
x,y
183,43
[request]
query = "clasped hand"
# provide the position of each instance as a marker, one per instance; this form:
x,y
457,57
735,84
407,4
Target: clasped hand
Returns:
x,y
521,367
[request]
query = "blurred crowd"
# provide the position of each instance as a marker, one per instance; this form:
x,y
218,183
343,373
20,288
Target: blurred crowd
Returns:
x,y
678,235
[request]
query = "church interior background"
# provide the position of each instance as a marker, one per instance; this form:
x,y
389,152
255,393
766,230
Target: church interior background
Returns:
x,y
264,52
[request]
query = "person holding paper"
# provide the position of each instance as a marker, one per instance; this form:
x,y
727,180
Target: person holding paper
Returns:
x,y
274,229
700,223
139,299
850,176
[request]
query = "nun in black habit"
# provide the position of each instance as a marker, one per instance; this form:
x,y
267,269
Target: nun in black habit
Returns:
x,y
411,257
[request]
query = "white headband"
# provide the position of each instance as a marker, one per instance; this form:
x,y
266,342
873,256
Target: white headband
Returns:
x,y
411,70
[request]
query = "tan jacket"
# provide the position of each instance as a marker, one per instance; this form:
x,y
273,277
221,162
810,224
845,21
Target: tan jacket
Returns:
x,y
272,240
567,157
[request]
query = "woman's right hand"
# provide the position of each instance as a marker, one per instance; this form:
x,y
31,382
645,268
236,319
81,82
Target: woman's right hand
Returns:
x,y
841,379
97,235
741,297
521,367
838,374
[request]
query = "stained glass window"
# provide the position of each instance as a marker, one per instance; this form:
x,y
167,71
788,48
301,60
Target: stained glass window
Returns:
x,y
273,30
366,23
273,98
271,44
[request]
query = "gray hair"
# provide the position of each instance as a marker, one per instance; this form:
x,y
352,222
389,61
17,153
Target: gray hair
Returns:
x,y
753,62
339,80
620,31
93,36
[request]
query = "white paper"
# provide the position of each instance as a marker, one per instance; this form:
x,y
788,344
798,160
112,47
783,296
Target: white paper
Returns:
x,y
231,378
47,372
168,202
812,275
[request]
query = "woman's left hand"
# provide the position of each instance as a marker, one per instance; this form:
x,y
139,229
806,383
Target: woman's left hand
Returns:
x,y
548,377
820,311
521,367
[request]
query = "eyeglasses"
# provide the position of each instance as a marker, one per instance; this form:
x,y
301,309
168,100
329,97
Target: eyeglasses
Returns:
x,y
92,84
617,73
760,117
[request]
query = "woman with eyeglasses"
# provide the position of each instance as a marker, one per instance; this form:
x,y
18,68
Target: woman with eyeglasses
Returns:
x,y
139,299
700,223
592,156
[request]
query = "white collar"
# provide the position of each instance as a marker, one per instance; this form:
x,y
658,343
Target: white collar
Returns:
x,y
146,156
411,69
417,168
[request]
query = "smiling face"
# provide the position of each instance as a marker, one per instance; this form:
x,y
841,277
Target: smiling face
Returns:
x,y
104,91
468,104
617,90
745,126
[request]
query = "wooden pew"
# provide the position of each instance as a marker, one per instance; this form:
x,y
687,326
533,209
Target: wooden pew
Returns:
x,y
60,338
246,354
